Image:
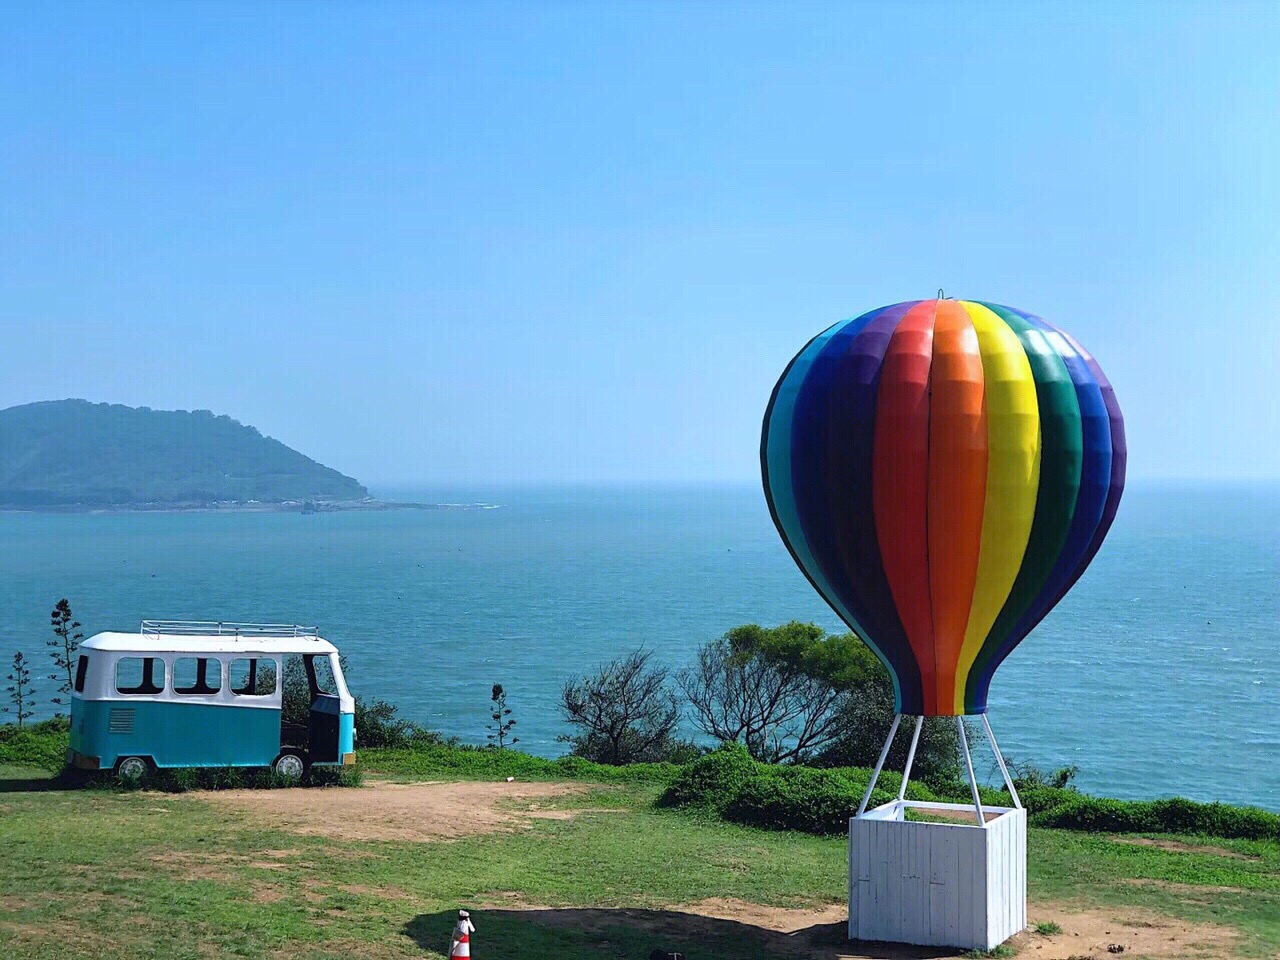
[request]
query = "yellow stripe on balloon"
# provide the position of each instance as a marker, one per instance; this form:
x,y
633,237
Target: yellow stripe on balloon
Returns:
x,y
1013,478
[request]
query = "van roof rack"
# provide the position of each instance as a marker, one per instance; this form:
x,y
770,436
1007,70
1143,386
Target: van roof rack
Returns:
x,y
221,628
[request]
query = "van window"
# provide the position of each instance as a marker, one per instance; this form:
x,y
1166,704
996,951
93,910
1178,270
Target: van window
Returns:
x,y
323,671
140,675
82,667
194,675
252,676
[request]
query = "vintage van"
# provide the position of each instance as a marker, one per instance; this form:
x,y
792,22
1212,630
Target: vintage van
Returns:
x,y
206,694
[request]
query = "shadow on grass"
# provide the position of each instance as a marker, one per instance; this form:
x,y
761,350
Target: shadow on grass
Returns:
x,y
33,780
581,933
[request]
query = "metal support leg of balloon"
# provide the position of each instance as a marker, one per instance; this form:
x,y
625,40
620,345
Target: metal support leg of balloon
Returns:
x,y
875,774
1004,770
911,758
973,781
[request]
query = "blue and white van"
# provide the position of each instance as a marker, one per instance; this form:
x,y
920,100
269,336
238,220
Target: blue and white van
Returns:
x,y
204,694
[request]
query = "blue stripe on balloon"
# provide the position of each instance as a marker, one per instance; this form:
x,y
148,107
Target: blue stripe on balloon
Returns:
x,y
1114,482
776,459
831,448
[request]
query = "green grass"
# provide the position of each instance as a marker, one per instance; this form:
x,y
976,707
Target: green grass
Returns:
x,y
144,875
140,875
1047,929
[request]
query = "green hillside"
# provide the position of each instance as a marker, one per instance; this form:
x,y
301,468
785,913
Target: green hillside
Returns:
x,y
65,453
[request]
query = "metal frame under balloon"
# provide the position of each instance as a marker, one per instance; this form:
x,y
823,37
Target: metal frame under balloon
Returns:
x,y
902,801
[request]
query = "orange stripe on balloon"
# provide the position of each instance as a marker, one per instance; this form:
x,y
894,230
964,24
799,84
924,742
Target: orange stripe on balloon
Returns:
x,y
957,487
900,485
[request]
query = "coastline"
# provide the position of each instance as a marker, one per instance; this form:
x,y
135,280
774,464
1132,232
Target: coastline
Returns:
x,y
251,506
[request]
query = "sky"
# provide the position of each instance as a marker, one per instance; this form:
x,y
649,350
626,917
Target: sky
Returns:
x,y
486,243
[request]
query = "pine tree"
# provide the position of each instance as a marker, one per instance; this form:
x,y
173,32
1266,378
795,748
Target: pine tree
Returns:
x,y
64,644
501,725
21,693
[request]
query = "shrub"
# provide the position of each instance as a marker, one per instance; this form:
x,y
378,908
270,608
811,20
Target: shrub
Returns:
x,y
728,782
470,762
184,779
814,801
1073,811
713,780
378,724
42,745
1028,776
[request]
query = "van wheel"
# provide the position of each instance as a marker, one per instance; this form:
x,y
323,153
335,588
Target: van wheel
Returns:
x,y
132,769
289,766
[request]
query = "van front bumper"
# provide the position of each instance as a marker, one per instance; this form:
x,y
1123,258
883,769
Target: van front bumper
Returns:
x,y
81,761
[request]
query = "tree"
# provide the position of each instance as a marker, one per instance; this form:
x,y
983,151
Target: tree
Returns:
x,y
501,725
864,720
777,690
63,647
626,711
21,692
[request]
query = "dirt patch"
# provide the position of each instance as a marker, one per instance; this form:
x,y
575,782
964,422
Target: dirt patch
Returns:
x,y
393,811
1177,846
1091,933
262,893
819,932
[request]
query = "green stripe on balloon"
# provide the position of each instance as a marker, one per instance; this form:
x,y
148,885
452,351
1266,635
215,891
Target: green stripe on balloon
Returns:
x,y
1061,456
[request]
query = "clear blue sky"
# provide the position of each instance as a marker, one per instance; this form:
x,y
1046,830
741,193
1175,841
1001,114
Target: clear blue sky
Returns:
x,y
480,242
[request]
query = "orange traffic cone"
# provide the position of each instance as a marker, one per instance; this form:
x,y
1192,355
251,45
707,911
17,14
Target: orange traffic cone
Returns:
x,y
460,945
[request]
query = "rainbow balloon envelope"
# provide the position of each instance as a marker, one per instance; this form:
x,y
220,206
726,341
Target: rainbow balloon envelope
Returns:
x,y
943,471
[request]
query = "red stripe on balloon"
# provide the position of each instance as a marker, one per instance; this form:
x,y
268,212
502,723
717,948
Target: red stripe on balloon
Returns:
x,y
957,486
900,482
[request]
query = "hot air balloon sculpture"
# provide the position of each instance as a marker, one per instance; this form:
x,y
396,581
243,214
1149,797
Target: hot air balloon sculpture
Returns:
x,y
943,471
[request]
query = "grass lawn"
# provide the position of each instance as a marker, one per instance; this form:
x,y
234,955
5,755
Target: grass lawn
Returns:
x,y
96,873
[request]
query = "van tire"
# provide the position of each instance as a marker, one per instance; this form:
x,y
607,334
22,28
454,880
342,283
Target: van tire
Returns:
x,y
132,769
289,766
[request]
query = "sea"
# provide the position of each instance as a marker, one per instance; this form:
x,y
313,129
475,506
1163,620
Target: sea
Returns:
x,y
1158,675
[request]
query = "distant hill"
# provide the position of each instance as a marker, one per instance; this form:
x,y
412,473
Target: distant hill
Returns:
x,y
65,453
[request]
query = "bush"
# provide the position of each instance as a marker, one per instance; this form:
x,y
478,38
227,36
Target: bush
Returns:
x,y
42,745
728,782
378,724
184,779
814,801
485,763
1068,810
713,780
1028,776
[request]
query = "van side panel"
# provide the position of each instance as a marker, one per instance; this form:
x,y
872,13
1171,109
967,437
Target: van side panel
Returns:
x,y
176,734
346,734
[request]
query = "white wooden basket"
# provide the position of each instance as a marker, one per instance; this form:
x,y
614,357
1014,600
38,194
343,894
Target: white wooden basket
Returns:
x,y
956,883
953,884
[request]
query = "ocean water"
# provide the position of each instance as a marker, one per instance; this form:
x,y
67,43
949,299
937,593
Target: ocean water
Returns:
x,y
1158,675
